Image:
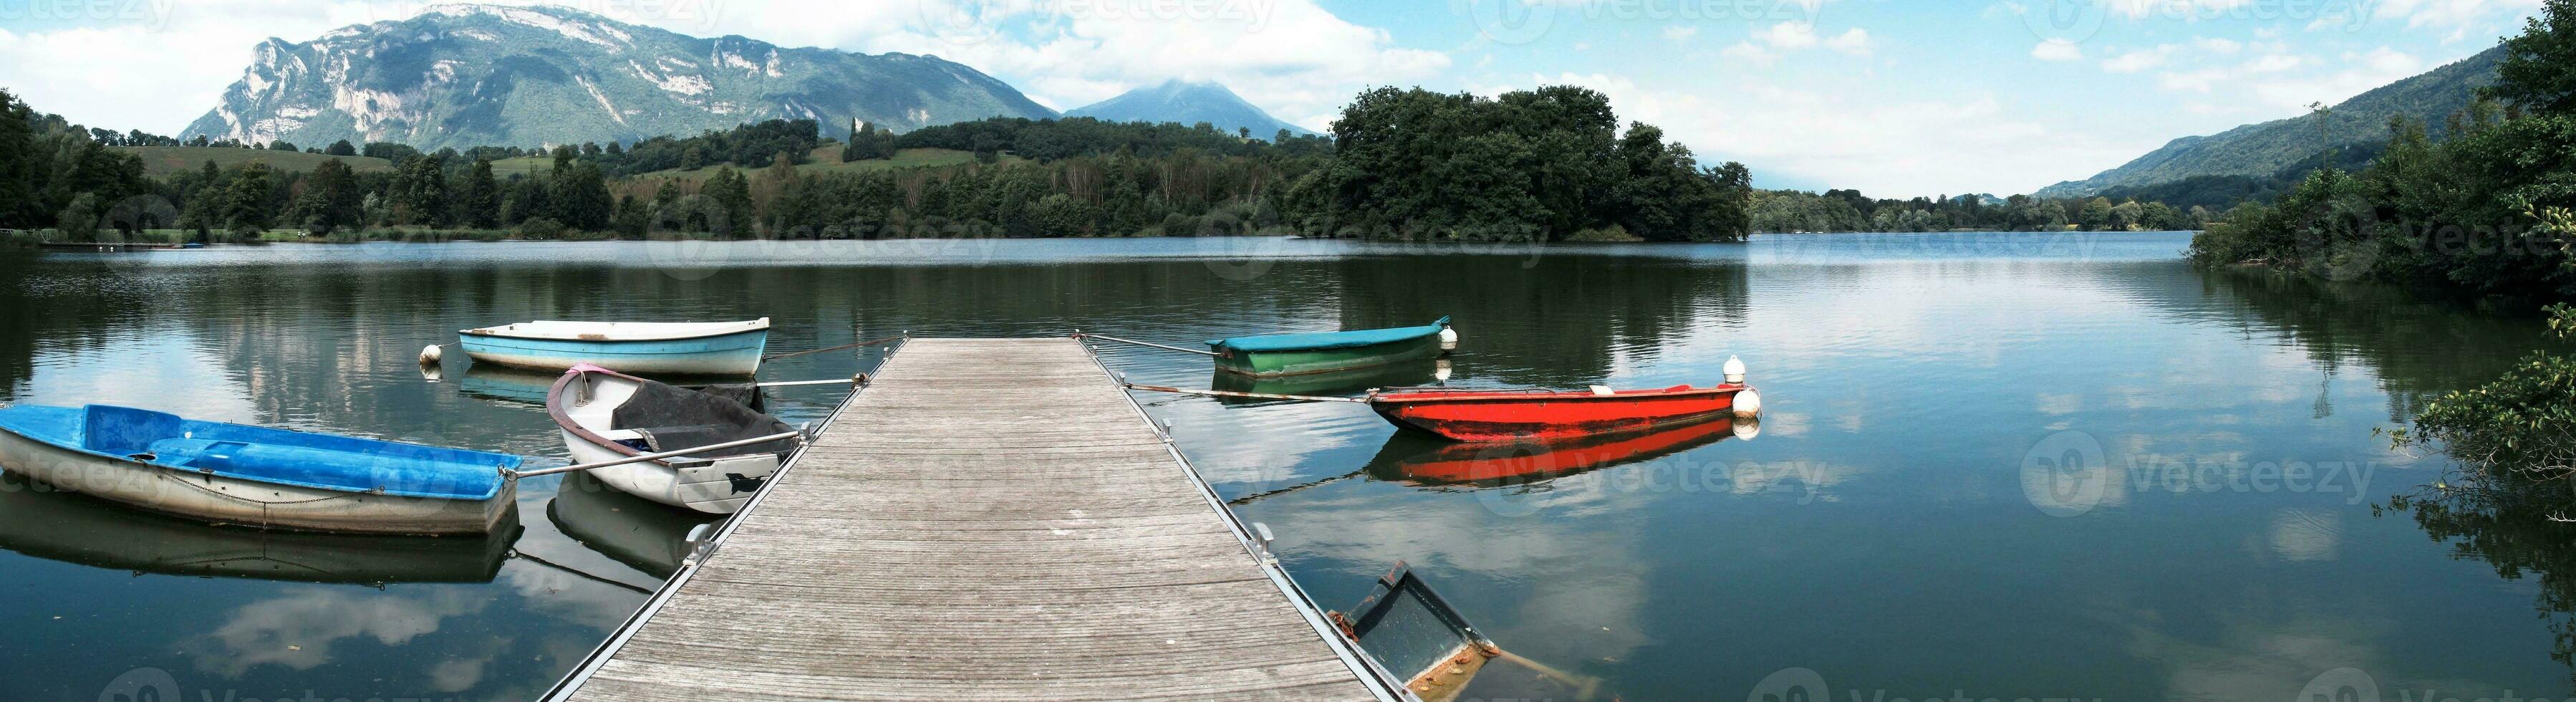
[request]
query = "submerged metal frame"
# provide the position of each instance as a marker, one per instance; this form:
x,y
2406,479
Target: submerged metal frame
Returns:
x,y
698,555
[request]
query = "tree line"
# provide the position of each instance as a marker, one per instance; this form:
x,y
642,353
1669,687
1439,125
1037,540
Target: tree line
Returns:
x,y
1549,164
1850,211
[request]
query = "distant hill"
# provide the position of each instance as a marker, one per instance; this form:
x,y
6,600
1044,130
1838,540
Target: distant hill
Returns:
x,y
467,75
1188,103
159,161
2262,150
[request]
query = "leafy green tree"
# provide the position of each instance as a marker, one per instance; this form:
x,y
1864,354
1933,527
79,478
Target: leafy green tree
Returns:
x,y
341,148
732,193
247,201
331,199
2534,73
477,198
79,220
18,166
2096,214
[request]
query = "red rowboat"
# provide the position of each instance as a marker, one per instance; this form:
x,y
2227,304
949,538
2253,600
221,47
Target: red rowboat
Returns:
x,y
1426,461
1514,415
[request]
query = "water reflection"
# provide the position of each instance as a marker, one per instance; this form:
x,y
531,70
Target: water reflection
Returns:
x,y
1416,459
649,536
76,528
1880,519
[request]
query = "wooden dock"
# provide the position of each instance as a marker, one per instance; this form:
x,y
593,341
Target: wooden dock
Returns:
x,y
987,519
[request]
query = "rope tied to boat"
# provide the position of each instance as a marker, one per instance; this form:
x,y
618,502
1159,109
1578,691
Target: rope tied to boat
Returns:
x,y
870,342
1080,336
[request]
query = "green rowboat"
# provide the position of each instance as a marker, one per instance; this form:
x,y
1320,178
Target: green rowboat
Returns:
x,y
1325,352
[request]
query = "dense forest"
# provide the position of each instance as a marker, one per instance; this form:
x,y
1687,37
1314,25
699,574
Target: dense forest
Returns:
x,y
1850,211
1549,164
2484,211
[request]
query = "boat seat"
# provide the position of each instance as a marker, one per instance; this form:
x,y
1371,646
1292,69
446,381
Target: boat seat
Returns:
x,y
126,431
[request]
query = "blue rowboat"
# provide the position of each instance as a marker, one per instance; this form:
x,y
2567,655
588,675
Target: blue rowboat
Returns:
x,y
1326,352
660,348
257,476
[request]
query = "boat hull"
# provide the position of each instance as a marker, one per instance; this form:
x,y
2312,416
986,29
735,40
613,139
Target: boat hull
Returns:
x,y
1289,362
1427,461
62,526
224,500
736,354
582,404
1518,416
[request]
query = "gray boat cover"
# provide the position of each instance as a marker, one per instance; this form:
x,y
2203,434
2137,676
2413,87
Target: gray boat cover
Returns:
x,y
672,418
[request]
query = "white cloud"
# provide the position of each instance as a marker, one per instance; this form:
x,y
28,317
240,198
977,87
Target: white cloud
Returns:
x,y
2448,13
2363,71
2140,60
1750,53
2058,51
1883,147
1679,32
1788,35
1768,44
1854,41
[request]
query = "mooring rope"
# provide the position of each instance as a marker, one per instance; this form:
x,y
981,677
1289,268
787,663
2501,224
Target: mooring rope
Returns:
x,y
871,342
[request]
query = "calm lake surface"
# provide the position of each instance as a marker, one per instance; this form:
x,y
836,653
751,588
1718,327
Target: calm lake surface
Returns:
x,y
1991,465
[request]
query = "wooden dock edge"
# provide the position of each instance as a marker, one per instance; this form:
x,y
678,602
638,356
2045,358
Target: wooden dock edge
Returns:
x,y
1382,684
1385,685
573,680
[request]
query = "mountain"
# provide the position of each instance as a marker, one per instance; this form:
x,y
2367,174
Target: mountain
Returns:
x,y
1187,103
465,75
2260,150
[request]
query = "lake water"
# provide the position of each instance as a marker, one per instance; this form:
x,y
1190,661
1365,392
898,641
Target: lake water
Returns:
x,y
1991,465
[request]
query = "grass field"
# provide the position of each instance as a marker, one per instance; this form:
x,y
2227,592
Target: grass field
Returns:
x,y
828,160
161,161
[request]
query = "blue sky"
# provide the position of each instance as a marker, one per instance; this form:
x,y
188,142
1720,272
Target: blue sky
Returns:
x,y
1893,98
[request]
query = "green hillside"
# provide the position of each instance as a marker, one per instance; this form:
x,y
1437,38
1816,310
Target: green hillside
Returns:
x,y
159,161
2261,150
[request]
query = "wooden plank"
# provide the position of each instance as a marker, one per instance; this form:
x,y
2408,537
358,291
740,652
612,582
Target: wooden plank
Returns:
x,y
990,519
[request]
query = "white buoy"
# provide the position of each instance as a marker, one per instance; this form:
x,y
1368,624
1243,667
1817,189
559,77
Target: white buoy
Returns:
x,y
1440,369
1734,369
1448,339
1748,403
1748,427
430,354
